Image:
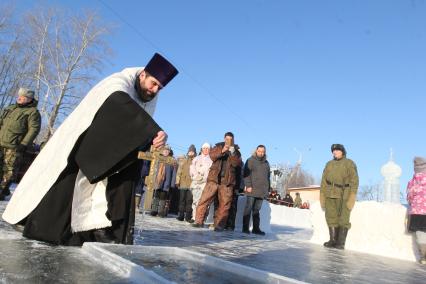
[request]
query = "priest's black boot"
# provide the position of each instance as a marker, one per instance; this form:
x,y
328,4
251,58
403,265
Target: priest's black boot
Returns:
x,y
104,236
333,237
341,238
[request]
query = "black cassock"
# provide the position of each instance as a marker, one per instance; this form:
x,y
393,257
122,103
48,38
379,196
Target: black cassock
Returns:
x,y
108,148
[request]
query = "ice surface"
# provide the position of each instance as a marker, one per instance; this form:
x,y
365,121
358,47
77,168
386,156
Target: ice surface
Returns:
x,y
25,261
185,266
285,251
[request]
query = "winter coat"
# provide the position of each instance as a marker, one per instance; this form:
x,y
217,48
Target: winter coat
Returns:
x,y
257,176
183,177
19,125
166,183
288,200
416,197
416,194
339,175
199,169
231,162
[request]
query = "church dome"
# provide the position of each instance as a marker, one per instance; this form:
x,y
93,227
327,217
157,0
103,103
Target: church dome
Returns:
x,y
391,170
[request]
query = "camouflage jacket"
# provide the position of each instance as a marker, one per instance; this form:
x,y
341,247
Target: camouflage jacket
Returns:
x,y
19,125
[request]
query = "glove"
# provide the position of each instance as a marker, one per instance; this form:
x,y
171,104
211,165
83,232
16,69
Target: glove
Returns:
x,y
322,200
351,201
21,148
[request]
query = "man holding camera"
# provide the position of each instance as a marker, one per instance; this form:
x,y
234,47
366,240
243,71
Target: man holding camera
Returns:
x,y
221,180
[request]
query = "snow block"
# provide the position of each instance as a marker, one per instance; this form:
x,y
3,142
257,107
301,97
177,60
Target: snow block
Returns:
x,y
376,228
121,266
289,216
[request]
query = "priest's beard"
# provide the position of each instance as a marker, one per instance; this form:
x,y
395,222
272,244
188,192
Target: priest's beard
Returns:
x,y
143,93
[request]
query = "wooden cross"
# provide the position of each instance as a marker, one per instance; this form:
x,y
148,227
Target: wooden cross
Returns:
x,y
154,155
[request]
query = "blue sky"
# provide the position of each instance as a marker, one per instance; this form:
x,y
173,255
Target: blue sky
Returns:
x,y
287,74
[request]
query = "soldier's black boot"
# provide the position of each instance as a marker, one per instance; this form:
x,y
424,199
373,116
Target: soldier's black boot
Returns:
x,y
246,224
4,190
341,238
256,225
422,248
333,237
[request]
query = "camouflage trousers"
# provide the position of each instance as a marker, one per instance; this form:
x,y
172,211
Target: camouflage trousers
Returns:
x,y
10,160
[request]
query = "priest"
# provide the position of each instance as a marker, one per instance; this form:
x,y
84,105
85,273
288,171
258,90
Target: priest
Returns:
x,y
81,186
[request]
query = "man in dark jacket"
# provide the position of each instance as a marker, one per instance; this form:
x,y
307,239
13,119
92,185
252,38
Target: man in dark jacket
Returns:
x,y
256,179
221,180
19,125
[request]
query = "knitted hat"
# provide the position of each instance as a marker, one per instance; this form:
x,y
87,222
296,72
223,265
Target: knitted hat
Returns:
x,y
192,148
166,147
205,145
419,165
26,93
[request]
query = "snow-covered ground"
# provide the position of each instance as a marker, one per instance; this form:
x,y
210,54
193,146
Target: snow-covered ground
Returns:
x,y
285,250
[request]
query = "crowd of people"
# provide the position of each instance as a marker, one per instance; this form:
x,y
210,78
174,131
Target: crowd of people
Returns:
x,y
215,177
85,185
275,198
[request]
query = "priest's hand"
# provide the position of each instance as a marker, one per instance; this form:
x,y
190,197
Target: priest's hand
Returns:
x,y
160,139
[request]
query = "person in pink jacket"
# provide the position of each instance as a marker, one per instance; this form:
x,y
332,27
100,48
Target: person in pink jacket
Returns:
x,y
416,197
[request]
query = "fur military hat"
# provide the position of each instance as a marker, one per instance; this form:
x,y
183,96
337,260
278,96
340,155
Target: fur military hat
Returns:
x,y
419,165
338,147
161,69
26,93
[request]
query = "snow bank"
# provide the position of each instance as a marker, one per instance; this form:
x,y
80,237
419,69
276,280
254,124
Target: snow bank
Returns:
x,y
289,216
377,228
272,214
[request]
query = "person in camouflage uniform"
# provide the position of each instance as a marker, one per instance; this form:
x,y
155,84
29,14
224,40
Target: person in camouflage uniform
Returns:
x,y
183,182
339,186
19,125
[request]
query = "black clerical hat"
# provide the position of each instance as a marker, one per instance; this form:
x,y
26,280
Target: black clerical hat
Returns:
x,y
161,69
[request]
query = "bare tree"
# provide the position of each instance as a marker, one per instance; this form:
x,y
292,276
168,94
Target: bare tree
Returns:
x,y
299,178
67,50
370,192
58,54
13,61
